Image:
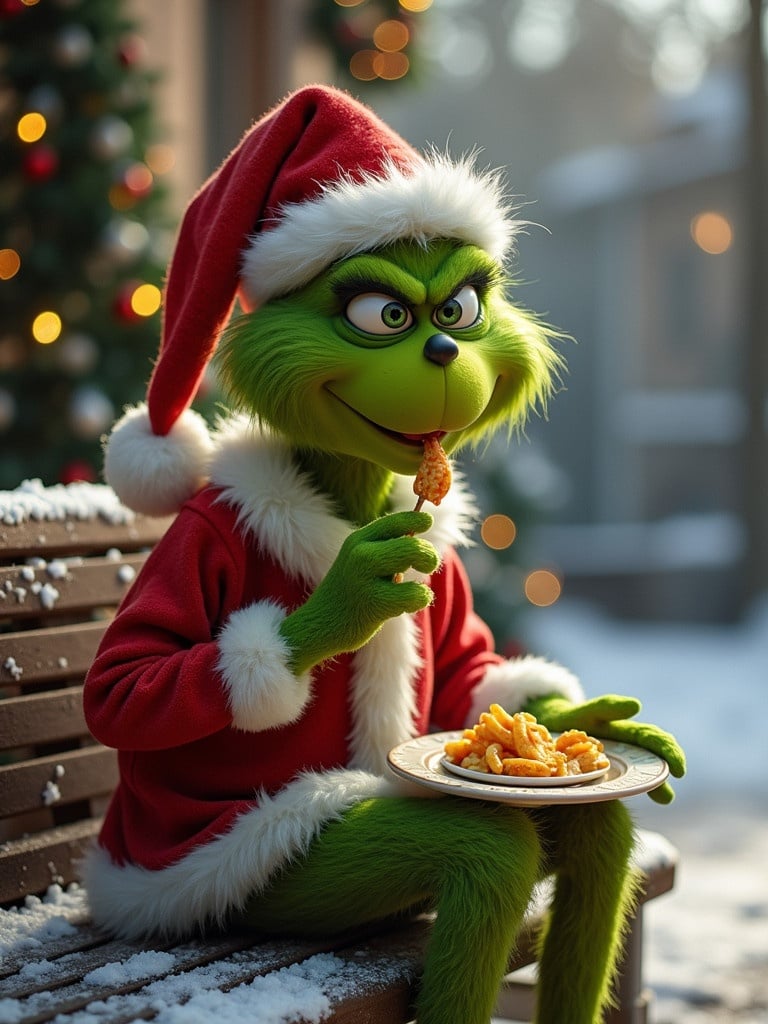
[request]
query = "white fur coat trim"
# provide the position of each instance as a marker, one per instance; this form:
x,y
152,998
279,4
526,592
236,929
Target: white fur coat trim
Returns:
x,y
214,880
435,198
512,683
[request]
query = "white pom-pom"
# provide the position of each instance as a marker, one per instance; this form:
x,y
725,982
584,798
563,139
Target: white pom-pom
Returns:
x,y
155,474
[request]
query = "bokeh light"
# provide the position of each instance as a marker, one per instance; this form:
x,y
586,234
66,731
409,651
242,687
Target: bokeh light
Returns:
x,y
160,158
391,36
46,327
542,587
10,262
31,127
416,6
391,66
498,532
712,232
146,299
361,65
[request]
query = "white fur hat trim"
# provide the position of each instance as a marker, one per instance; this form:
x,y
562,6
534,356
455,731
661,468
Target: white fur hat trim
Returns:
x,y
436,198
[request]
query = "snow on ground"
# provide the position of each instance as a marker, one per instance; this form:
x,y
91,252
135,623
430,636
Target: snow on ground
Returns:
x,y
707,941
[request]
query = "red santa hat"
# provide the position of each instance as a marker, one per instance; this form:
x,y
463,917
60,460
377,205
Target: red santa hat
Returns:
x,y
318,178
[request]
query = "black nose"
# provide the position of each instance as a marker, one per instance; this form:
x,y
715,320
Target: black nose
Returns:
x,y
441,349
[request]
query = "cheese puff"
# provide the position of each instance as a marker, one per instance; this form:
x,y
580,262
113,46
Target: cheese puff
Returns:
x,y
526,767
493,758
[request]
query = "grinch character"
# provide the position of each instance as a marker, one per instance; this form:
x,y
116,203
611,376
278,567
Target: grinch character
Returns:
x,y
299,619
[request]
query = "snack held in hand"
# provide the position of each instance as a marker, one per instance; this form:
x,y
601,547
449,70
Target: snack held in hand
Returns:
x,y
504,744
433,479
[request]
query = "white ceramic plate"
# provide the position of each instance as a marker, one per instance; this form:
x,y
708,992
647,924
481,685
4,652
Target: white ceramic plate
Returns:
x,y
519,780
633,770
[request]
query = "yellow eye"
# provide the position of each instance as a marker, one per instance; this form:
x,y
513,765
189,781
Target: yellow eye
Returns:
x,y
378,314
463,310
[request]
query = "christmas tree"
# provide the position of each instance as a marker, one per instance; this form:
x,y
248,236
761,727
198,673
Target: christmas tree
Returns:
x,y
83,237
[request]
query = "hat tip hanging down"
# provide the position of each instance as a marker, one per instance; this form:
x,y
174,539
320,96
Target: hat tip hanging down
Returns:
x,y
316,179
155,474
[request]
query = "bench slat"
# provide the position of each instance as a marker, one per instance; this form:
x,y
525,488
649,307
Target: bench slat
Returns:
x,y
49,655
76,775
68,970
76,537
383,968
97,583
42,718
32,864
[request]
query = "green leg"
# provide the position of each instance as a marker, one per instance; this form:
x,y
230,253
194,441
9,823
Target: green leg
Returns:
x,y
590,847
475,862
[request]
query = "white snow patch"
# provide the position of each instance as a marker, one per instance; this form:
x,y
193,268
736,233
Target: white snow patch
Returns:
x,y
126,574
51,794
57,569
147,964
48,595
14,669
40,920
34,502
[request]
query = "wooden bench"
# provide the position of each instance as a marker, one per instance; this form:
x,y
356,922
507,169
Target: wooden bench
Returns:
x,y
67,555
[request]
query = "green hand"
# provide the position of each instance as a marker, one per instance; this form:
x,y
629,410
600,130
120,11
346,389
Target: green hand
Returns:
x,y
360,593
607,717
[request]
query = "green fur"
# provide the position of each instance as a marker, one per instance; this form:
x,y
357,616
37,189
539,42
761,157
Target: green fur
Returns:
x,y
345,390
476,865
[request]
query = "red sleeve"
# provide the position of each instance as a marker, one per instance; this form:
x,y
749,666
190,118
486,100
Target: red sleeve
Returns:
x,y
463,645
154,683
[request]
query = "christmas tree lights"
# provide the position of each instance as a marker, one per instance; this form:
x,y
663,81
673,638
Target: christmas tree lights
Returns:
x,y
82,231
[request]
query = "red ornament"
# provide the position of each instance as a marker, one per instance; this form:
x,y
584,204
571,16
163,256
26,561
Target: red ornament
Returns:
x,y
10,8
41,163
131,50
77,471
121,306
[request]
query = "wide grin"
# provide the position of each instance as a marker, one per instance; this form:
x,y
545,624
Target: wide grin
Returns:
x,y
411,440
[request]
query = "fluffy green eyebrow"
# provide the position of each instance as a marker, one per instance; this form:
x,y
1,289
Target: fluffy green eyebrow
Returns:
x,y
371,274
391,280
348,289
461,268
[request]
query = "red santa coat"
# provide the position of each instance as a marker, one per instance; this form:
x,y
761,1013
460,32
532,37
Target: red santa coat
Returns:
x,y
229,763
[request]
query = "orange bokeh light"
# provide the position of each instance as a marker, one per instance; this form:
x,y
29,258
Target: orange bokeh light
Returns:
x,y
542,587
498,532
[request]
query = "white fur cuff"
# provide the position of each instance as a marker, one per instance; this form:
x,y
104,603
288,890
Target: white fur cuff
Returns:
x,y
512,683
263,692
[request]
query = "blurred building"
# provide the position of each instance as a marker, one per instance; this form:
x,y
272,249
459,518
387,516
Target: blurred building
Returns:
x,y
650,280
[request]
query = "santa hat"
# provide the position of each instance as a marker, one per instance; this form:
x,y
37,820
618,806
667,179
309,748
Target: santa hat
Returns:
x,y
318,178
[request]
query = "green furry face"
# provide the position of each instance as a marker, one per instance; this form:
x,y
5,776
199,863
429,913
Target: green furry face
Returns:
x,y
387,347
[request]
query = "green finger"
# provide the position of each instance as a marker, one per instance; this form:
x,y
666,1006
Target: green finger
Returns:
x,y
613,707
663,794
396,524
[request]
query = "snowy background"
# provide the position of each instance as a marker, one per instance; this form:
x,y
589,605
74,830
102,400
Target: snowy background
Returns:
x,y
707,941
